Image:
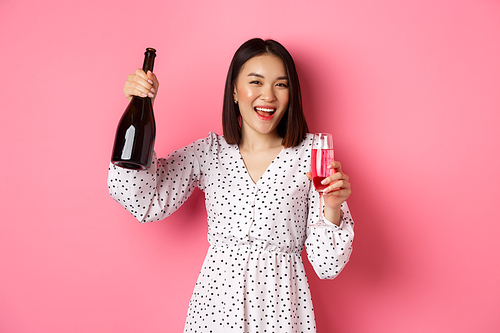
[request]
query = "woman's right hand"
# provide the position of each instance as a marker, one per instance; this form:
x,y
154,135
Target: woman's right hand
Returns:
x,y
141,84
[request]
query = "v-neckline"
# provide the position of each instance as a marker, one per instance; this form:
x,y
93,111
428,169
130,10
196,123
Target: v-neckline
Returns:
x,y
265,172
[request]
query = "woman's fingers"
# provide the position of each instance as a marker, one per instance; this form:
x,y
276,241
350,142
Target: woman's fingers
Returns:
x,y
337,175
337,186
141,84
135,89
337,181
336,166
153,80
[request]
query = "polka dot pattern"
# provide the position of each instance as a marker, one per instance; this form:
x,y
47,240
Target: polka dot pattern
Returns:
x,y
253,278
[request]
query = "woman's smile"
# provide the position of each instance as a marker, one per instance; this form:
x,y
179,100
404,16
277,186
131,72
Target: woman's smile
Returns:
x,y
265,113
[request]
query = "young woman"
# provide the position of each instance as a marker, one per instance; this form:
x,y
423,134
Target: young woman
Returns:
x,y
259,199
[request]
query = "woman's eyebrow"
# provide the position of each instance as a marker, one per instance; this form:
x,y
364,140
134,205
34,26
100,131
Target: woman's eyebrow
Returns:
x,y
256,75
262,76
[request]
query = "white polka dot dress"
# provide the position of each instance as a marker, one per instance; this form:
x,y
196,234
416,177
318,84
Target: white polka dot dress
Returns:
x,y
253,278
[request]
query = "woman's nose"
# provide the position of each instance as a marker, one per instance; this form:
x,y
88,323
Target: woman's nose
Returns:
x,y
268,94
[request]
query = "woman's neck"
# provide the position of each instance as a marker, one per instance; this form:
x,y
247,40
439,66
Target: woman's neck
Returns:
x,y
253,141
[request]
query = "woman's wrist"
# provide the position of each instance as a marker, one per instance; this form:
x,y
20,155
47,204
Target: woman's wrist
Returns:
x,y
333,214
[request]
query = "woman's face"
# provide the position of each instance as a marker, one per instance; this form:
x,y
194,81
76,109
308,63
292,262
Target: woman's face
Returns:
x,y
262,93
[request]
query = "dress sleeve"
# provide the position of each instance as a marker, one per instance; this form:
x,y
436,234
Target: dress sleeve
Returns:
x,y
328,247
155,193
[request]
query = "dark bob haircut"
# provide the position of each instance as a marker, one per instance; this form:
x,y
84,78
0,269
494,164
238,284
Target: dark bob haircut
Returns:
x,y
293,126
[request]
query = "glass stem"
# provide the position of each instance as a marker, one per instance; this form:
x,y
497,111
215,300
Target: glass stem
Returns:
x,y
320,206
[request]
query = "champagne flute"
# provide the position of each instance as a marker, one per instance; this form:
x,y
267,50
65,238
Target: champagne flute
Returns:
x,y
321,157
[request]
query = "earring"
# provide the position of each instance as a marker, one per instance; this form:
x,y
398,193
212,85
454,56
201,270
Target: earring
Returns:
x,y
235,102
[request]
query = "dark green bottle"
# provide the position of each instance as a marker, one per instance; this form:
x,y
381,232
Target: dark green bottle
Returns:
x,y
135,134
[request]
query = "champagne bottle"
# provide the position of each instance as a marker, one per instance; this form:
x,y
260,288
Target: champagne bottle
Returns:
x,y
135,134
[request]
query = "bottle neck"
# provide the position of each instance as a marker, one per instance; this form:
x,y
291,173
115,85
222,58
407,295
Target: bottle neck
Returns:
x,y
149,60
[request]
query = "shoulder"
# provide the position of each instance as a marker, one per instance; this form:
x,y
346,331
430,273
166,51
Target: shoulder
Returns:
x,y
214,140
211,143
308,139
302,150
210,140
306,143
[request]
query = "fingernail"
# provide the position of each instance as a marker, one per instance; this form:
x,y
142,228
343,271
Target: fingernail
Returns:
x,y
324,181
153,90
151,95
143,95
150,81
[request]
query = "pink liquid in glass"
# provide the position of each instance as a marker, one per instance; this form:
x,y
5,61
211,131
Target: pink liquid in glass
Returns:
x,y
320,160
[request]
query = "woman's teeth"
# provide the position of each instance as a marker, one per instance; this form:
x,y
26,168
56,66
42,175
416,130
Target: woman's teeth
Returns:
x,y
265,110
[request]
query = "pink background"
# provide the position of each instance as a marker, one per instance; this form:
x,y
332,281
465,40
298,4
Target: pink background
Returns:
x,y
411,91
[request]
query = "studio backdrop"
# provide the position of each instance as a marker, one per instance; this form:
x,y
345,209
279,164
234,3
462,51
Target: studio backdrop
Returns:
x,y
410,90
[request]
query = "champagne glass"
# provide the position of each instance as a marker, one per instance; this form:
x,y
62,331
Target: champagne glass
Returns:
x,y
321,157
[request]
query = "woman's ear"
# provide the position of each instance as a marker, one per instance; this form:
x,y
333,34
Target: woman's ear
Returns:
x,y
235,95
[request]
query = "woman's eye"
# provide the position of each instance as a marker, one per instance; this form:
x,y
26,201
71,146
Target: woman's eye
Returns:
x,y
284,85
255,82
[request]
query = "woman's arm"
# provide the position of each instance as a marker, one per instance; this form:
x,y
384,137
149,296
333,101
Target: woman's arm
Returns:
x,y
155,193
329,247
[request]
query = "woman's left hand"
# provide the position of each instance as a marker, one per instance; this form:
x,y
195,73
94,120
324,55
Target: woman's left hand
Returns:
x,y
339,188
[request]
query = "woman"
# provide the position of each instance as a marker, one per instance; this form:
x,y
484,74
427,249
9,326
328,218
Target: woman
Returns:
x,y
259,200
